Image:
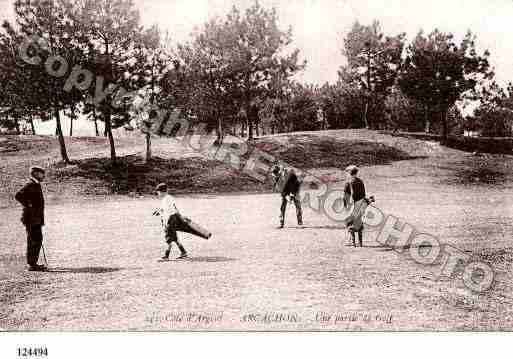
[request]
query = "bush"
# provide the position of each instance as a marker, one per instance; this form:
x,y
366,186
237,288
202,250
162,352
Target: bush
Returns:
x,y
497,145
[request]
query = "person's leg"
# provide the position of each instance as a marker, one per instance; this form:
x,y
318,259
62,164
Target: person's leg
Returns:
x,y
353,238
168,251
299,210
283,209
175,222
171,236
38,231
30,247
360,237
34,243
183,252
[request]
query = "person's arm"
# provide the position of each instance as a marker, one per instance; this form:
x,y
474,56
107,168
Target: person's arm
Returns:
x,y
347,194
23,196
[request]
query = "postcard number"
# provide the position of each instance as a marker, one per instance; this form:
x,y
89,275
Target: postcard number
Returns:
x,y
33,352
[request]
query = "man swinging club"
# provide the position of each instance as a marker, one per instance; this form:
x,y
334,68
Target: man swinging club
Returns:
x,y
291,188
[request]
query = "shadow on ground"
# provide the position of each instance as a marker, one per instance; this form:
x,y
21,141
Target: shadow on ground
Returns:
x,y
210,259
92,270
332,228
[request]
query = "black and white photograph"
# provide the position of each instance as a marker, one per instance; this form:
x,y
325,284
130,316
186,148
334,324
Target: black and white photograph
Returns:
x,y
255,166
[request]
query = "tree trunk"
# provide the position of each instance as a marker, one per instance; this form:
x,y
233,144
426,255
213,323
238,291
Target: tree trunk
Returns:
x,y
219,131
243,129
32,127
62,144
365,114
250,129
148,146
72,118
257,127
426,120
108,132
71,126
17,124
96,127
445,132
95,123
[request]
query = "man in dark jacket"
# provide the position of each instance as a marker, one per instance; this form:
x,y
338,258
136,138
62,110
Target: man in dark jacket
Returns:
x,y
32,200
291,187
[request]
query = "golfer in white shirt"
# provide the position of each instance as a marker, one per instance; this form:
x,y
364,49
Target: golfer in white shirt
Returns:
x,y
171,220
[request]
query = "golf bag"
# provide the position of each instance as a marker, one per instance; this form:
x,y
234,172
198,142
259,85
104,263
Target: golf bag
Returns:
x,y
188,226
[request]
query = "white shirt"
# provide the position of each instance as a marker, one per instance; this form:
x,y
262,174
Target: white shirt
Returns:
x,y
167,208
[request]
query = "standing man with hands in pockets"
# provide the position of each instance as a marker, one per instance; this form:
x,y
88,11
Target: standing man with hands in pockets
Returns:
x,y
33,217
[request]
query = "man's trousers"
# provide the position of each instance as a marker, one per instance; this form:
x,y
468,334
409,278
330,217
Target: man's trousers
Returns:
x,y
173,224
299,210
34,243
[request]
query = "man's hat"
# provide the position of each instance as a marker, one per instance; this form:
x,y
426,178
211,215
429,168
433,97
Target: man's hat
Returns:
x,y
352,169
162,187
37,169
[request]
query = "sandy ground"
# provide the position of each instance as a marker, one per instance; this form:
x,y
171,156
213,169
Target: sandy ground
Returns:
x,y
253,276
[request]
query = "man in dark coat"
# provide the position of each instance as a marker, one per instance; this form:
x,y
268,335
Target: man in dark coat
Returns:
x,y
32,200
291,187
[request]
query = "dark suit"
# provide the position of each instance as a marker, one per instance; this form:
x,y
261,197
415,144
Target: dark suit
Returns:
x,y
32,200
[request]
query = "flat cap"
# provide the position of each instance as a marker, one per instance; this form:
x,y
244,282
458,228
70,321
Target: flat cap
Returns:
x,y
352,169
37,169
162,187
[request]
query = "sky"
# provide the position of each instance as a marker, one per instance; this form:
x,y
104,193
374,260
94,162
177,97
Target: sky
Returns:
x,y
319,26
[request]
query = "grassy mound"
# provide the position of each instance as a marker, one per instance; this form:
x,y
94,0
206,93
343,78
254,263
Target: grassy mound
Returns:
x,y
93,174
131,174
309,151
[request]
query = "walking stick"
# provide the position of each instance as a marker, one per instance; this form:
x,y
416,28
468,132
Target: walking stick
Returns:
x,y
44,254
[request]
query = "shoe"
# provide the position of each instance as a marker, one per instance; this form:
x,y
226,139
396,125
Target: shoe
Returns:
x,y
183,256
166,255
37,268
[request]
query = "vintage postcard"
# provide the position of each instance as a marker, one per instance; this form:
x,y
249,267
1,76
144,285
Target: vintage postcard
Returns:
x,y
255,166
